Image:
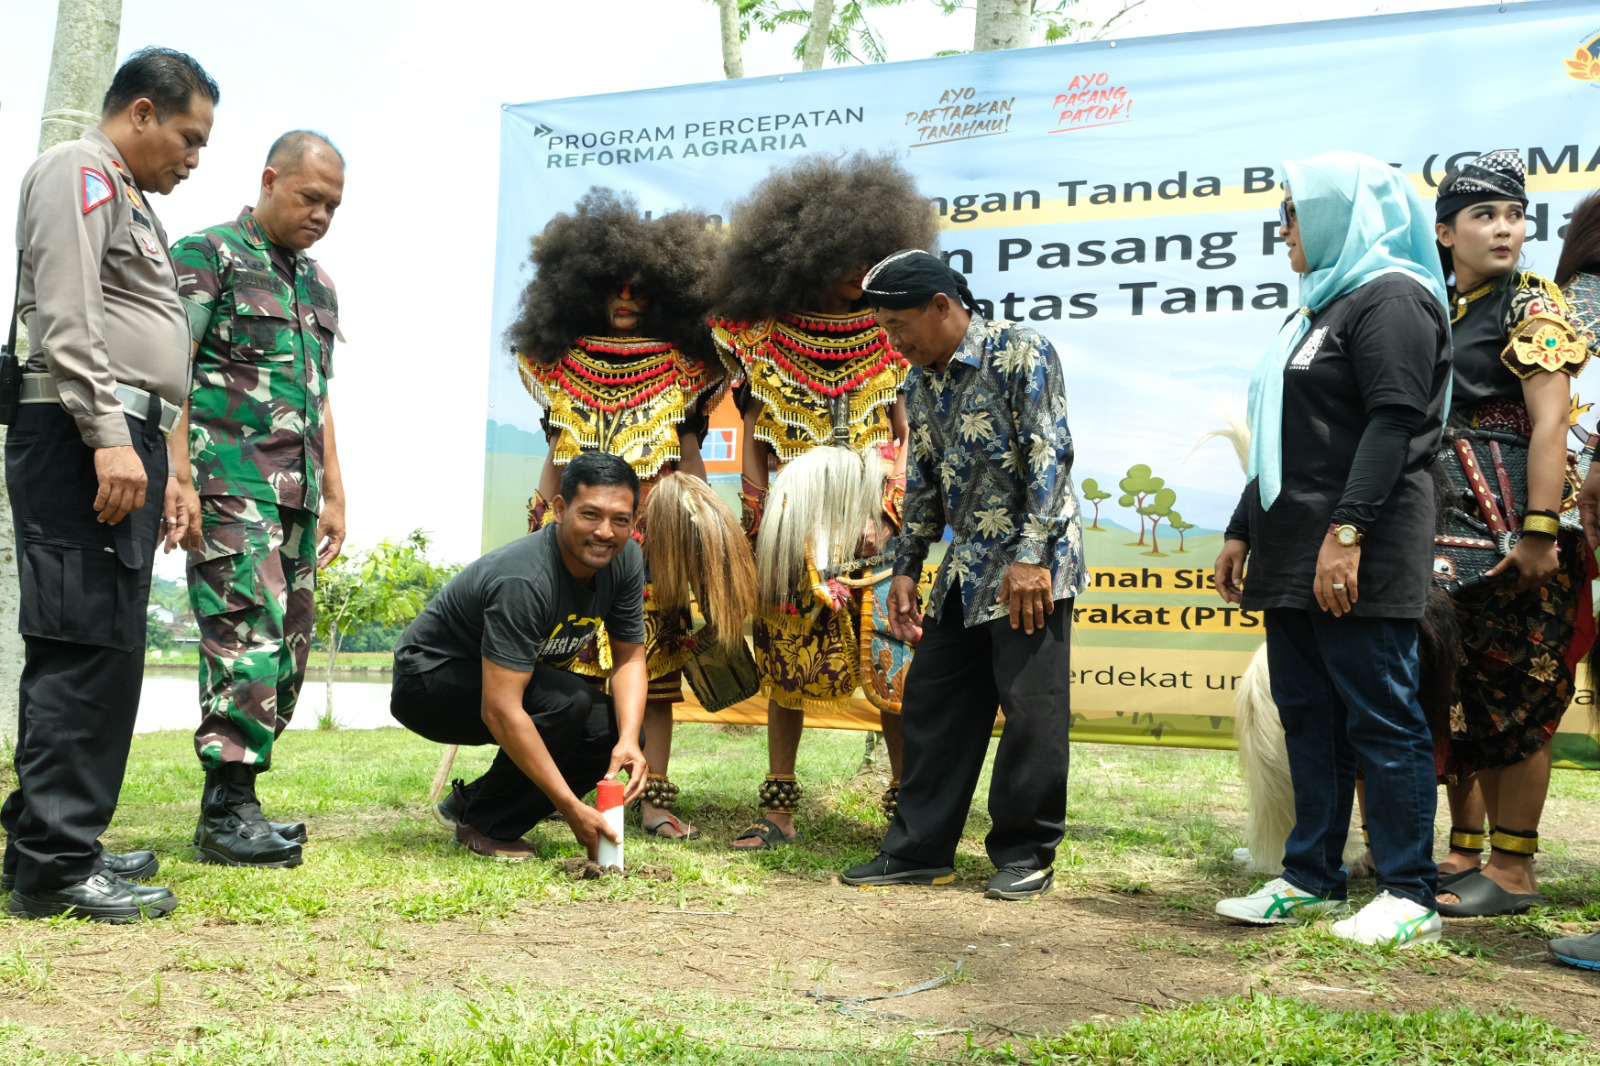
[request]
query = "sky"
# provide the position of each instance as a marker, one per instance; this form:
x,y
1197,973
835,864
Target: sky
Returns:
x,y
411,92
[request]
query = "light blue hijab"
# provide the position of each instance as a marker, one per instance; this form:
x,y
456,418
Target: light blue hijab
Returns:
x,y
1359,220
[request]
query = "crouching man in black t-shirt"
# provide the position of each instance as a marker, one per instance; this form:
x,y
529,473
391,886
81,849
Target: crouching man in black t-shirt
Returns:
x,y
472,668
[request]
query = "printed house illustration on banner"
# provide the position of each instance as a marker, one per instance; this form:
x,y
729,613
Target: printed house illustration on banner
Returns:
x,y
720,449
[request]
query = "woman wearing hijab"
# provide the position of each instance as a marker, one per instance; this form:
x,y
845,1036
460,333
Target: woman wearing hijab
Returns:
x,y
1524,630
1337,519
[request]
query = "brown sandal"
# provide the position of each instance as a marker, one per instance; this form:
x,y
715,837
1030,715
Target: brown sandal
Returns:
x,y
685,832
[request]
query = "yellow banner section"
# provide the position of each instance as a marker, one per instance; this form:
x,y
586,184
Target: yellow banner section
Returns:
x,y
1116,681
1172,698
1214,617
1187,580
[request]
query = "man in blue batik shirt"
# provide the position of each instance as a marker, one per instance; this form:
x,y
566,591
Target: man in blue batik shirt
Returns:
x,y
991,457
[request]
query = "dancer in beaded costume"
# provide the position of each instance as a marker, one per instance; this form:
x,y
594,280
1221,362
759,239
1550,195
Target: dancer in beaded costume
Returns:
x,y
611,341
814,369
1515,354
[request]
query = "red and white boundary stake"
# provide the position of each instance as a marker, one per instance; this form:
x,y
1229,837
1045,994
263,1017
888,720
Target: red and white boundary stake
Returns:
x,y
608,801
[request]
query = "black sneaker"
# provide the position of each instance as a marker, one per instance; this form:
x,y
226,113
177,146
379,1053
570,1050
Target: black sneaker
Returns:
x,y
1020,882
447,812
888,870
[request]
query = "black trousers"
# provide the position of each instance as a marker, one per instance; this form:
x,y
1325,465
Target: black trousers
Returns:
x,y
574,718
957,678
84,590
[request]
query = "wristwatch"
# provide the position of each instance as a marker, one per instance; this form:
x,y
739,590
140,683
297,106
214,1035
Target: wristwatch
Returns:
x,y
1347,535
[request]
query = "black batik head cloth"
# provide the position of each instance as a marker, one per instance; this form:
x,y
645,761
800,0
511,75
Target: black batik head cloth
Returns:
x,y
1499,175
911,278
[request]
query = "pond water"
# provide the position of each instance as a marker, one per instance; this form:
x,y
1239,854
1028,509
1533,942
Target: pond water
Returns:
x,y
169,700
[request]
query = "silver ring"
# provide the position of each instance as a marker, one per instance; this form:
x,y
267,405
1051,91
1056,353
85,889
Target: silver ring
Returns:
x,y
1340,587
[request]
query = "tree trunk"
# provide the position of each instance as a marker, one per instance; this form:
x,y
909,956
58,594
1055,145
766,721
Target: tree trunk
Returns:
x,y
333,654
1002,24
816,50
81,65
732,50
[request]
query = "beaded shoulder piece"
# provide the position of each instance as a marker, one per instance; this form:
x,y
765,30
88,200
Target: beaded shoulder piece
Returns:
x,y
626,396
1540,337
817,378
1583,307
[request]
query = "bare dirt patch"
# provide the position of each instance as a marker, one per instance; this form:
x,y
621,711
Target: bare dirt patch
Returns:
x,y
589,870
1018,969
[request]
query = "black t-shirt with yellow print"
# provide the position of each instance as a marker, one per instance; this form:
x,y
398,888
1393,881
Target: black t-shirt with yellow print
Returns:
x,y
520,607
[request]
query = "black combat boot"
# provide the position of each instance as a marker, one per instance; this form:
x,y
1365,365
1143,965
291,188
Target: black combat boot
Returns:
x,y
231,830
291,831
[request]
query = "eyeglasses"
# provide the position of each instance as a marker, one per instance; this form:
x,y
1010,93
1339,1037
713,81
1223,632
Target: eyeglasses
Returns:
x,y
1286,215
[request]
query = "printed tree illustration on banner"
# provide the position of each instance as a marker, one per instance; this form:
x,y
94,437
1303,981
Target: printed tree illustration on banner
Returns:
x,y
1175,521
1136,488
1158,507
1094,494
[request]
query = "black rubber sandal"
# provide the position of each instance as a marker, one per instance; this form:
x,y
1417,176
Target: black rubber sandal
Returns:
x,y
767,832
1481,898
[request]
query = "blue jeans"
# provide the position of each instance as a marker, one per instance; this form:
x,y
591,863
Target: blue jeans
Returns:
x,y
1346,690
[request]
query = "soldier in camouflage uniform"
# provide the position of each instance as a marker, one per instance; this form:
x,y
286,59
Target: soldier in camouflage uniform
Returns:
x,y
264,319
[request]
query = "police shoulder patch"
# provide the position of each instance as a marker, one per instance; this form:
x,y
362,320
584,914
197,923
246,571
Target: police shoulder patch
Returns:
x,y
96,189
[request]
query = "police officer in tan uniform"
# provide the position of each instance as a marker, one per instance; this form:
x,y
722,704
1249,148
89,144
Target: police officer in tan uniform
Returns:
x,y
86,470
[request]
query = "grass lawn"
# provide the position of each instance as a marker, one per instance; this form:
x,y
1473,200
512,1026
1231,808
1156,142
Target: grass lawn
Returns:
x,y
393,946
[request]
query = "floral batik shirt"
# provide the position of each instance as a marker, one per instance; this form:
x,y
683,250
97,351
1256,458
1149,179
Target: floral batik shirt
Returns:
x,y
991,457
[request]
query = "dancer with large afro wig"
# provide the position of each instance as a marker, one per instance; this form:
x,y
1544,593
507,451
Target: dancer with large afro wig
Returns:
x,y
814,370
611,340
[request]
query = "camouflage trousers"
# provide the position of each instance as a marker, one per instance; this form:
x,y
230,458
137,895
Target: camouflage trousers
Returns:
x,y
252,586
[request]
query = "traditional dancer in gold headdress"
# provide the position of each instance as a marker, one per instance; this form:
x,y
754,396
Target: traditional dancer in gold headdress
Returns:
x,y
611,341
816,370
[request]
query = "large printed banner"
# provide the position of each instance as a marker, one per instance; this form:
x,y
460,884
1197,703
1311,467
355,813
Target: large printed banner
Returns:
x,y
1122,198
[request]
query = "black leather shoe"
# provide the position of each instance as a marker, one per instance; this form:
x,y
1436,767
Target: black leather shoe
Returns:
x,y
231,831
133,866
102,897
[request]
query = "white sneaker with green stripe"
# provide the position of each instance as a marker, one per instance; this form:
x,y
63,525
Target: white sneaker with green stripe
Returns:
x,y
1391,920
1278,902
